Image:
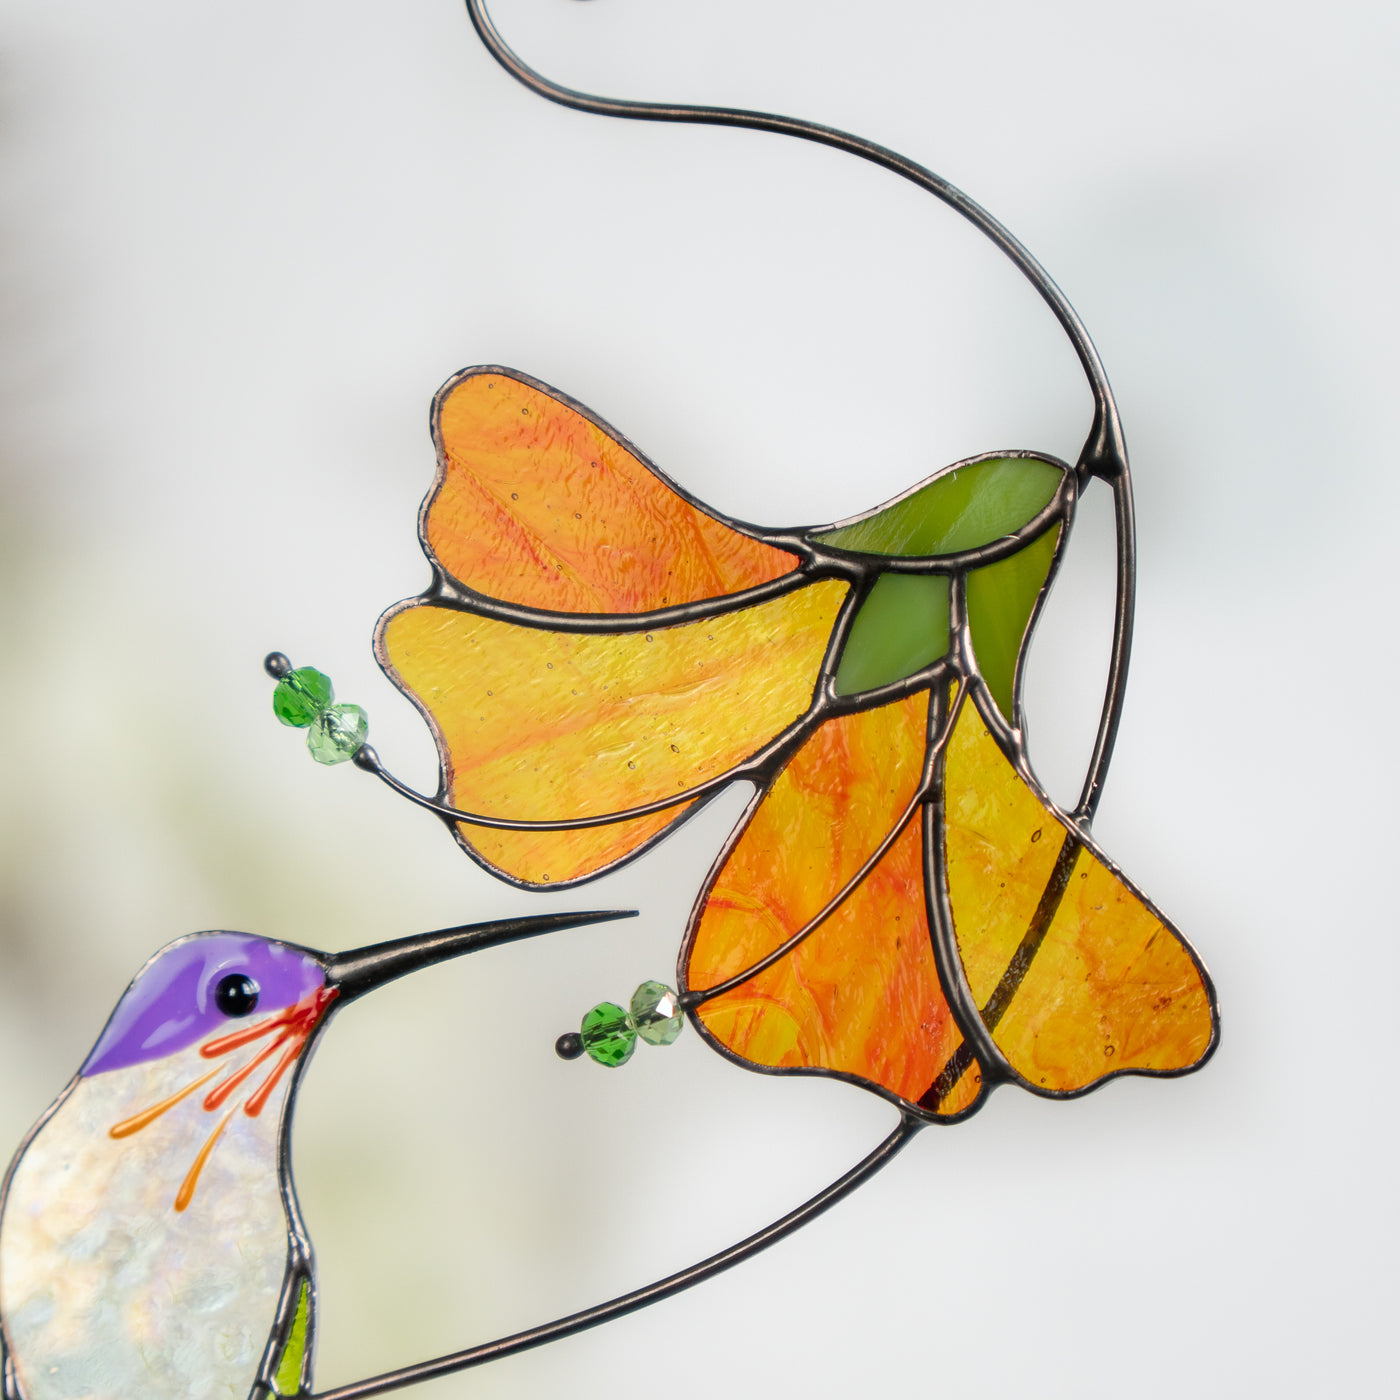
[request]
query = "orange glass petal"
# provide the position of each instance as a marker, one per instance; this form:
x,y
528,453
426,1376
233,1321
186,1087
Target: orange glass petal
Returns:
x,y
538,725
538,505
825,816
1081,988
860,994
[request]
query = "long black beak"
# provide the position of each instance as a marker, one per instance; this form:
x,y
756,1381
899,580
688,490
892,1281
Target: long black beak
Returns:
x,y
361,970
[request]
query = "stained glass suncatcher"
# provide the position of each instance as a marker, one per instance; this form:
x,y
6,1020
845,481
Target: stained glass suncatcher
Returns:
x,y
901,907
902,903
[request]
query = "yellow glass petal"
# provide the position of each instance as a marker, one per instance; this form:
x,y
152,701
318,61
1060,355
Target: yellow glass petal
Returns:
x,y
539,725
574,853
1077,975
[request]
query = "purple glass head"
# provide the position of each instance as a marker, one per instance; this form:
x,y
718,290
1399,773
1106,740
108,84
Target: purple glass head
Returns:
x,y
196,987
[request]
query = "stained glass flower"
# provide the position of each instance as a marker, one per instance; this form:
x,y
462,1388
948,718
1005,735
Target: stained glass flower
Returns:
x,y
902,903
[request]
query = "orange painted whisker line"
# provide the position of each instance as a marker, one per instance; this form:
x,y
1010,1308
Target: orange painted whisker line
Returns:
x,y
220,1092
257,1101
136,1122
186,1192
233,1041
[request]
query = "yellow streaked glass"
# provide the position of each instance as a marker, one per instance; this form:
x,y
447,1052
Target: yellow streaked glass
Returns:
x,y
1111,985
539,725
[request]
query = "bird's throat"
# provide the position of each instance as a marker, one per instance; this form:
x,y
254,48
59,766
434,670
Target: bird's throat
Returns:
x,y
143,1242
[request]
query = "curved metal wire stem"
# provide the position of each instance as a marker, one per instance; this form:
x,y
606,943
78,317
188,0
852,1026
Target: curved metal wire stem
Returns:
x,y
639,1297
367,758
1104,453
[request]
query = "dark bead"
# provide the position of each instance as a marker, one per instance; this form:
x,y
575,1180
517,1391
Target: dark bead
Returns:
x,y
276,665
236,994
367,759
569,1046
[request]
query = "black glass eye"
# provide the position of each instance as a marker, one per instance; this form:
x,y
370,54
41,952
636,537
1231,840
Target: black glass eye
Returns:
x,y
236,994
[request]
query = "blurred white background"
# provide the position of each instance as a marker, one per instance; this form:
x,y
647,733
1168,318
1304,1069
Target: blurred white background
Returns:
x,y
243,244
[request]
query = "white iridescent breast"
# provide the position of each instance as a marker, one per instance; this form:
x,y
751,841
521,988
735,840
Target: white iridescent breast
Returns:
x,y
110,1293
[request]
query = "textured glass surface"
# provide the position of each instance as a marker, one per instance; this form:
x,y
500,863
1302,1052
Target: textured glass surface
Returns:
x,y
537,505
901,627
92,1247
961,509
543,725
1093,983
1000,600
823,819
860,993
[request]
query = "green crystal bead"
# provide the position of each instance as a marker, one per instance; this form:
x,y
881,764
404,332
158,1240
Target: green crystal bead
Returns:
x,y
339,733
301,696
607,1035
656,1013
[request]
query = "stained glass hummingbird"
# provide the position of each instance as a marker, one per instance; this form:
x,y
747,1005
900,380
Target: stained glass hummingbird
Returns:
x,y
151,1246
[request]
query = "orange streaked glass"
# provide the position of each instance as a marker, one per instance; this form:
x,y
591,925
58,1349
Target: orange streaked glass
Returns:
x,y
538,505
1111,986
824,817
539,725
859,995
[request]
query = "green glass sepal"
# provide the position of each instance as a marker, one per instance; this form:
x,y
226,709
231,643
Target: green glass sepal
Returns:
x,y
608,1035
901,627
287,1378
300,696
969,506
1000,600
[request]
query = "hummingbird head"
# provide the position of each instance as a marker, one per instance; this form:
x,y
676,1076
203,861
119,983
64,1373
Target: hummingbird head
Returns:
x,y
214,988
148,1226
236,1011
